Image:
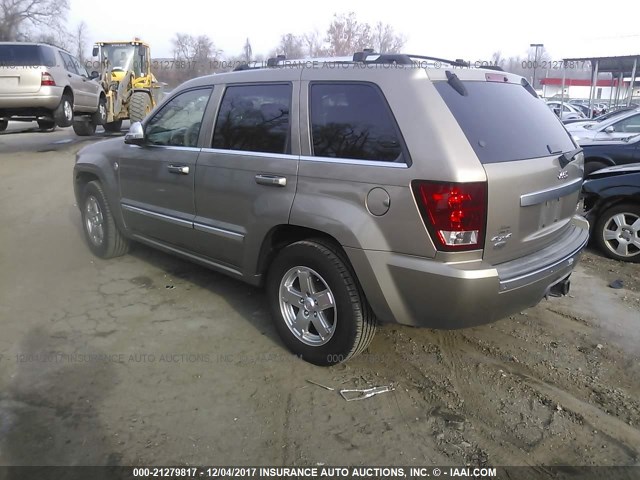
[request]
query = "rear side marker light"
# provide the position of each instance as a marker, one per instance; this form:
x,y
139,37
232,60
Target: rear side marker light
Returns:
x,y
454,213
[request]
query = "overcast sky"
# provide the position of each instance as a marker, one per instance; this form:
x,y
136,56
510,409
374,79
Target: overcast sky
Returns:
x,y
471,30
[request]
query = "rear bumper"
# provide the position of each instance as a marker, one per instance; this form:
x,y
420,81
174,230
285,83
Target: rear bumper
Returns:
x,y
47,98
422,292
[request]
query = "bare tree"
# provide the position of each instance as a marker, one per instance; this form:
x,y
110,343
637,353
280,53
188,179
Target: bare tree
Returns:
x,y
291,46
346,35
194,49
247,51
497,59
80,41
314,46
17,17
385,39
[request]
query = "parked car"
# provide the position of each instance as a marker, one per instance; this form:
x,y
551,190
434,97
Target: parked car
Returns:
x,y
576,125
600,154
612,205
355,195
616,126
565,111
42,83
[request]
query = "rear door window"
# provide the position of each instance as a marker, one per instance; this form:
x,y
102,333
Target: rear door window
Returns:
x,y
353,121
254,118
503,122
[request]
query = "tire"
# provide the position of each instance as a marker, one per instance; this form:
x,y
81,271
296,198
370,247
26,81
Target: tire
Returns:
x,y
590,167
139,107
63,114
113,127
99,117
46,125
101,232
616,235
84,127
349,325
3,125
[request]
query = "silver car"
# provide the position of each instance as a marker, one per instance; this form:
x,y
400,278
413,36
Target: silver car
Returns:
x,y
615,127
46,84
379,189
565,111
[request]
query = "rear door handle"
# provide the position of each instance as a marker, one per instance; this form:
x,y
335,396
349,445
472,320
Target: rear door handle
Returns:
x,y
271,180
179,169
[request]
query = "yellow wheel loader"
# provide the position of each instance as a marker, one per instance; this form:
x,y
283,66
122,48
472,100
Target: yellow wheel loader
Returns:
x,y
125,74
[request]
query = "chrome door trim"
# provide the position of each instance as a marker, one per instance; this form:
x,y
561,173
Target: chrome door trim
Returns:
x,y
158,216
350,161
220,232
248,153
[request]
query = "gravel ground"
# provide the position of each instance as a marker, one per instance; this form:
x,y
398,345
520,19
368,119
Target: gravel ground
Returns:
x,y
147,359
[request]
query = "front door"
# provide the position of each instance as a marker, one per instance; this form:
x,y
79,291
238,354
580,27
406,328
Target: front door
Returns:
x,y
157,179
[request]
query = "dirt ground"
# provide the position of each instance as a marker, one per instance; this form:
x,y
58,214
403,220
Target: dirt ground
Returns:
x,y
147,360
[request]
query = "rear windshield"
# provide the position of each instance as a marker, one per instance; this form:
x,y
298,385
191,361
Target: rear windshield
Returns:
x,y
504,122
26,56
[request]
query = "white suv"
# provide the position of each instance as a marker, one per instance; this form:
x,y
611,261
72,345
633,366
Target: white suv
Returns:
x,y
46,84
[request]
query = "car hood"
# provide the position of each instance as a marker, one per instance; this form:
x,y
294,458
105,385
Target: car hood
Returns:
x,y
617,170
603,142
578,126
101,147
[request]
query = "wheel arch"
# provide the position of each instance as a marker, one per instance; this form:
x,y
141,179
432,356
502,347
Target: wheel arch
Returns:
x,y
86,173
282,235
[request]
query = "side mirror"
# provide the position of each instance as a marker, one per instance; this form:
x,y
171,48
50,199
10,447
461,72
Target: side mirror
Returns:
x,y
609,129
94,75
95,52
135,135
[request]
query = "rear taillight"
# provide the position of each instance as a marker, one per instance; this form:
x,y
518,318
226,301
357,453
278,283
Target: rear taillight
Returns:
x,y
455,213
47,80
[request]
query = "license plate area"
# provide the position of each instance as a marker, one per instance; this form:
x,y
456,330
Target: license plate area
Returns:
x,y
550,212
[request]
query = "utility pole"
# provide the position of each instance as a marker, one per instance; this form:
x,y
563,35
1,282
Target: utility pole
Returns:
x,y
535,61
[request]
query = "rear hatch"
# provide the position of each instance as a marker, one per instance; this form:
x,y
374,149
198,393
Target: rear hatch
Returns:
x,y
21,67
532,188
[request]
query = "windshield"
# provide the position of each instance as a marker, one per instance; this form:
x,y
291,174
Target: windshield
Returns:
x,y
124,57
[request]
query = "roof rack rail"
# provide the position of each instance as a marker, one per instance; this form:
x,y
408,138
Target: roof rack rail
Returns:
x,y
401,58
244,66
273,61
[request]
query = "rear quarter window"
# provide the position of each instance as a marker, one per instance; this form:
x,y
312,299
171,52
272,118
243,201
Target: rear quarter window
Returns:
x,y
503,122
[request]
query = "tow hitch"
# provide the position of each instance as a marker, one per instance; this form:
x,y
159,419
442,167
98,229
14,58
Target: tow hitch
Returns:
x,y
559,289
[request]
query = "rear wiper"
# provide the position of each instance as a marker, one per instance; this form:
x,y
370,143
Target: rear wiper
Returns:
x,y
456,83
567,157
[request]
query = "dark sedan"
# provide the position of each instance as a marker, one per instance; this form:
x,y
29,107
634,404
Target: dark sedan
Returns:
x,y
612,204
607,153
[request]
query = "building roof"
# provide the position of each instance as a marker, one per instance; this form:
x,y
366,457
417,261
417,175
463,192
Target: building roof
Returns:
x,y
622,64
578,82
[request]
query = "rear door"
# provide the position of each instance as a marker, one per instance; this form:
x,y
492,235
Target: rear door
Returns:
x,y
245,183
519,141
81,97
21,68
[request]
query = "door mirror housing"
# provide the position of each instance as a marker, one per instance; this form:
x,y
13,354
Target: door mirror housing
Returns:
x,y
135,135
609,129
94,75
